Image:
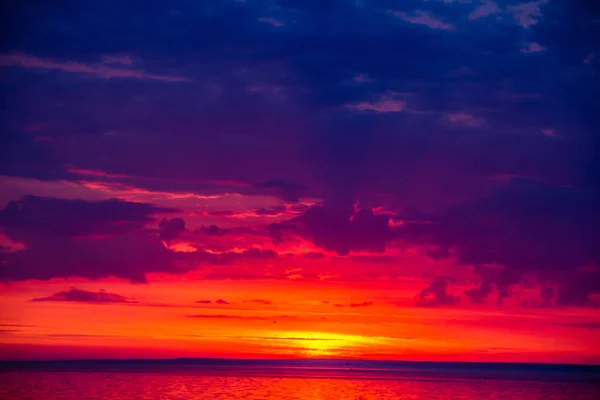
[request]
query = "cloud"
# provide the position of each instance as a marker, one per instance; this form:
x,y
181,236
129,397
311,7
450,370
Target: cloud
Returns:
x,y
337,229
75,295
272,21
437,294
523,227
99,70
484,9
354,305
97,239
34,217
385,105
224,316
286,189
245,255
532,47
212,230
276,210
549,132
77,238
479,294
527,14
117,59
576,288
362,78
588,59
171,229
306,137
314,256
259,301
127,256
421,17
218,301
283,338
465,119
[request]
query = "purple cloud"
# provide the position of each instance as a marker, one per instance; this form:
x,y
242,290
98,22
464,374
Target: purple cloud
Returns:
x,y
421,17
285,188
272,21
532,47
437,294
264,102
466,119
171,229
76,238
527,14
127,256
384,105
32,218
524,227
276,210
484,9
340,230
96,70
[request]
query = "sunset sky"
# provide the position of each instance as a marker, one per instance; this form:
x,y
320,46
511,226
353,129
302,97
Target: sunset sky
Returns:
x,y
415,179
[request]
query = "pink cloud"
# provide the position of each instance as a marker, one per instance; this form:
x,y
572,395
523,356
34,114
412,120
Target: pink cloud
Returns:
x,y
384,105
465,119
527,14
485,9
549,132
98,70
532,47
362,78
271,21
588,59
420,17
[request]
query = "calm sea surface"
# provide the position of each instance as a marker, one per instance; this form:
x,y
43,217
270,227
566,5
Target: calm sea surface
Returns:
x,y
252,382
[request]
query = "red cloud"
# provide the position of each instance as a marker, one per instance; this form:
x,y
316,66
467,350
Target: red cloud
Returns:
x,y
223,316
259,301
353,305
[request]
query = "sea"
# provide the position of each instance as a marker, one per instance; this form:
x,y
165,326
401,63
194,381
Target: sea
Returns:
x,y
199,379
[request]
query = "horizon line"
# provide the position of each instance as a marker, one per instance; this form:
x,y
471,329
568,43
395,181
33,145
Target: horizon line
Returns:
x,y
296,360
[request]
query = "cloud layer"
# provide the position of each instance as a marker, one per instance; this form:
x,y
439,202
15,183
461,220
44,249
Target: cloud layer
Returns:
x,y
244,141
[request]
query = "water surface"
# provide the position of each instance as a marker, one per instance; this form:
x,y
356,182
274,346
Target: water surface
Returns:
x,y
188,380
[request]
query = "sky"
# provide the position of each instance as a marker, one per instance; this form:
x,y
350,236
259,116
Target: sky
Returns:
x,y
415,180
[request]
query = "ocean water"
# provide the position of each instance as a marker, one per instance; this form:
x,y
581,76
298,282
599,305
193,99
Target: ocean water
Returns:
x,y
197,381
